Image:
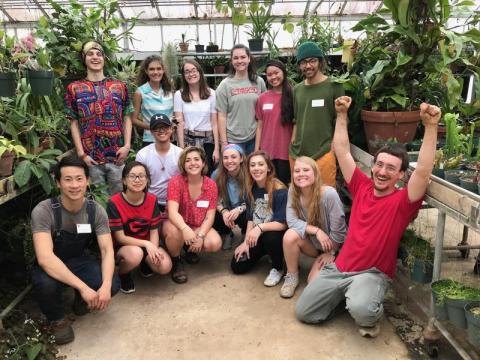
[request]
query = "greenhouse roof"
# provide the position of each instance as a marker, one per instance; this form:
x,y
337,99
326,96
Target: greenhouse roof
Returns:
x,y
18,11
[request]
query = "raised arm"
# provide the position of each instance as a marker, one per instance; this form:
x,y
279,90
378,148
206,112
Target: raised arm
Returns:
x,y
417,185
341,142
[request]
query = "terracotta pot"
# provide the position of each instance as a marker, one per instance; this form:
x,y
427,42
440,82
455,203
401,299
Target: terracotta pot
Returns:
x,y
6,163
219,69
382,126
183,47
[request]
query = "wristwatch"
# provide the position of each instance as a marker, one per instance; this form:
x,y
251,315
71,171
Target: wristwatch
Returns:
x,y
201,236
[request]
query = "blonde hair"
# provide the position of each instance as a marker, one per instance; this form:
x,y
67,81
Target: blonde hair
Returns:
x,y
183,158
271,184
314,210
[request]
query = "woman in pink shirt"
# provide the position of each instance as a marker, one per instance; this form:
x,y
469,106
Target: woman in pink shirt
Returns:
x,y
191,205
274,113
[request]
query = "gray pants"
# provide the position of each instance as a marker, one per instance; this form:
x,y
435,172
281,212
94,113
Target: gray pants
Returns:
x,y
363,292
109,174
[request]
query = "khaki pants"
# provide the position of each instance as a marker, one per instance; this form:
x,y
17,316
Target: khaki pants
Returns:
x,y
327,164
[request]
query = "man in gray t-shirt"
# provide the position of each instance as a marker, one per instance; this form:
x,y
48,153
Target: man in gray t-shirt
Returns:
x,y
62,229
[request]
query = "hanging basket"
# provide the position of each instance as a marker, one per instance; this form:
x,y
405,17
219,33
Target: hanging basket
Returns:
x,y
8,84
383,126
41,82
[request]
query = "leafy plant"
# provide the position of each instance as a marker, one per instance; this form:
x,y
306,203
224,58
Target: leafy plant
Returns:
x,y
320,32
38,166
261,21
99,193
7,145
7,47
169,57
442,288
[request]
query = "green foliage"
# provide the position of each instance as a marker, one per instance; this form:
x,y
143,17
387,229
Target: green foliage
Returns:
x,y
416,247
7,45
261,21
169,57
70,26
7,145
321,33
401,64
39,167
99,193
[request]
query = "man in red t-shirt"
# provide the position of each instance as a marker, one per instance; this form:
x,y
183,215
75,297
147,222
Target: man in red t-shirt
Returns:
x,y
380,213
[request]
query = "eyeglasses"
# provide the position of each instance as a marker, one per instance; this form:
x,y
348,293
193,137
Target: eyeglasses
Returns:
x,y
388,168
190,72
161,130
133,177
310,61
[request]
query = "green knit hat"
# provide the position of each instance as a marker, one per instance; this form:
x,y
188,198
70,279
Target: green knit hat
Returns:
x,y
308,50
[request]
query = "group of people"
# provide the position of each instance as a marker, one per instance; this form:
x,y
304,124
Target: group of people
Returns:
x,y
165,208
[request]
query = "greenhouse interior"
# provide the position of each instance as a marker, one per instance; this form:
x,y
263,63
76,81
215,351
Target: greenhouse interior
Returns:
x,y
253,179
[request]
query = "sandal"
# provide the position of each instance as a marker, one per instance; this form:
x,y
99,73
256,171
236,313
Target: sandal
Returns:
x,y
178,272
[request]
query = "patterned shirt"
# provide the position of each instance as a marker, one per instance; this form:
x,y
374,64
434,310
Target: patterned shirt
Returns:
x,y
99,107
193,212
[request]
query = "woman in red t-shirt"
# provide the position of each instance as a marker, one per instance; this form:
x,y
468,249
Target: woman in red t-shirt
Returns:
x,y
191,202
134,217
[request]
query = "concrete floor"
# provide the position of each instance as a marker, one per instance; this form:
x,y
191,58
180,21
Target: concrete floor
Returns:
x,y
218,315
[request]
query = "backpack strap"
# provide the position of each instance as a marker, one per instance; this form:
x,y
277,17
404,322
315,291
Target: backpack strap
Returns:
x,y
91,209
57,217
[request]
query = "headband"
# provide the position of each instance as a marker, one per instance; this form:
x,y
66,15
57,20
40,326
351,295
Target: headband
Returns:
x,y
233,147
91,45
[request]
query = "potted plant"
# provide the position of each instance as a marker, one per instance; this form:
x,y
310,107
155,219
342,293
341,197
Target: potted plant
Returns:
x,y
420,260
9,150
404,62
261,21
440,289
8,78
455,299
39,73
38,166
169,57
199,48
218,64
472,314
212,47
183,44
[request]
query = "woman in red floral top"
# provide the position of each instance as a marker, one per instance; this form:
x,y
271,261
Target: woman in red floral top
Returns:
x,y
191,201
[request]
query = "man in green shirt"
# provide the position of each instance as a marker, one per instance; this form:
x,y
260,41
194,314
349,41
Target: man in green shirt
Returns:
x,y
314,110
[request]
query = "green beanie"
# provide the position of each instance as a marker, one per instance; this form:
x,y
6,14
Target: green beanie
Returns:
x,y
308,50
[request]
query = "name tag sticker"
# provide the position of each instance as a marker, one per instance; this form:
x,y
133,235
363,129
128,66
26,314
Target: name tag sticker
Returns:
x,y
265,196
203,203
318,103
84,229
267,106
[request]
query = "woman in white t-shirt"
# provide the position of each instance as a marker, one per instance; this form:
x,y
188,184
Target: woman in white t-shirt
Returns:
x,y
194,107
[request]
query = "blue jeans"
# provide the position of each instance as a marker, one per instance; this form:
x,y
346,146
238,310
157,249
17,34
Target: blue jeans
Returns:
x,y
109,174
247,146
48,292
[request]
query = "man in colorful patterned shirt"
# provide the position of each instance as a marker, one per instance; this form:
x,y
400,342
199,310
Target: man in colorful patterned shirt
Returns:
x,y
99,112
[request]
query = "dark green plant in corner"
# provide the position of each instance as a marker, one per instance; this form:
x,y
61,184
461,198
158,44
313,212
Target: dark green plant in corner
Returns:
x,y
39,167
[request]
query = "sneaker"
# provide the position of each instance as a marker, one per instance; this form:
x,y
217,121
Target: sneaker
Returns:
x,y
273,278
178,272
369,331
126,284
191,258
62,331
145,269
227,241
79,307
289,285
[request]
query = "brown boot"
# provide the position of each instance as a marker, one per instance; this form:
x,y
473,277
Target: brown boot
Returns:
x,y
62,331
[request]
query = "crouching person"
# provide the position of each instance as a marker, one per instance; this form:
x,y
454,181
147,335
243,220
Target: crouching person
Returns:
x,y
380,213
63,227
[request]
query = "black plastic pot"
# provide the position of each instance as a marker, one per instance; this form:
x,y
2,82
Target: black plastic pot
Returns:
x,y
456,311
41,82
255,44
438,173
422,271
469,183
212,48
8,84
473,324
199,48
454,175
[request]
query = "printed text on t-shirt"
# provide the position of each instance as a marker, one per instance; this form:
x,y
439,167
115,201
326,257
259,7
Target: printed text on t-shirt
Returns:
x,y
245,90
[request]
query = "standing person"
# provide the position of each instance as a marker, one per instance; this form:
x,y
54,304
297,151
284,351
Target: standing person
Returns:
x,y
274,113
231,177
364,268
161,159
195,112
236,98
316,223
266,220
192,198
314,112
134,219
153,96
99,112
63,228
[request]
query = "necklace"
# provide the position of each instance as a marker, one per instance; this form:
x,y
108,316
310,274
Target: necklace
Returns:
x,y
163,165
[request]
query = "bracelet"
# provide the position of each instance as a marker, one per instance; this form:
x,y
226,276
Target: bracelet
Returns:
x,y
201,236
223,209
259,227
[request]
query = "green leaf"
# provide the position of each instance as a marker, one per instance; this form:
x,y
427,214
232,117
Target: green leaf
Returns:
x,y
46,183
403,6
33,351
36,170
22,173
399,99
402,58
43,22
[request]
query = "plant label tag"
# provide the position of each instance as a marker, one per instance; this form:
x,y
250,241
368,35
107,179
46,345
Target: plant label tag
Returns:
x,y
267,106
318,103
84,229
203,203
